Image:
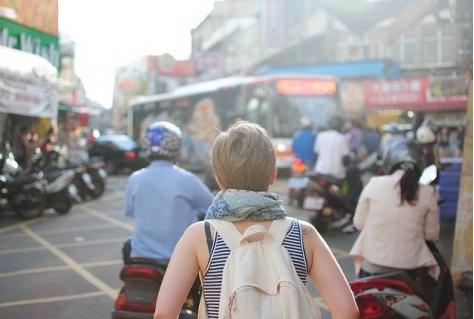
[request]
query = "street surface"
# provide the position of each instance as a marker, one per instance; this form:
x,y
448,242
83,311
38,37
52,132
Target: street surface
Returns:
x,y
68,266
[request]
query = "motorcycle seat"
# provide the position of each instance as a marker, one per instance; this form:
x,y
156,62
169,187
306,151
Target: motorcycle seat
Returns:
x,y
403,276
330,179
19,181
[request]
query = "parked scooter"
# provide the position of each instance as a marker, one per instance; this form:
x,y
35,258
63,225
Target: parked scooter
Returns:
x,y
60,190
96,169
137,298
24,194
399,295
90,178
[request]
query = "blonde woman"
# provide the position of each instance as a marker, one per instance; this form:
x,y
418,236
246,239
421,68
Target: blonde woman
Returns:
x,y
243,160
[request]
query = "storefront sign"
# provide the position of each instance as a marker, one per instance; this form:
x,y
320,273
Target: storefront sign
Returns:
x,y
27,99
209,60
274,23
22,38
166,65
417,94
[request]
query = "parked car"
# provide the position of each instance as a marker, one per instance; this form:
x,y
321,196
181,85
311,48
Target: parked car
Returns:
x,y
119,152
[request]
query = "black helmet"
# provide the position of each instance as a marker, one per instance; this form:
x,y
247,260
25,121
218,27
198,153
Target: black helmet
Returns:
x,y
404,151
335,122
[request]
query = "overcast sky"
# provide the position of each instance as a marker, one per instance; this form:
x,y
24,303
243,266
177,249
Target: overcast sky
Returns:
x,y
113,33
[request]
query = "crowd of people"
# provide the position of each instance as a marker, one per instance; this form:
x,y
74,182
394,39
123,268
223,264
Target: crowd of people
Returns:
x,y
362,141
168,202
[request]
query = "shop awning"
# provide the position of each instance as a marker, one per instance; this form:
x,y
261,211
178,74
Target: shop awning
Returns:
x,y
373,69
84,109
27,84
26,67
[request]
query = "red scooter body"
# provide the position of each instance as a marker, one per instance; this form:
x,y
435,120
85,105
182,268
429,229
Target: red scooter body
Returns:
x,y
137,299
398,295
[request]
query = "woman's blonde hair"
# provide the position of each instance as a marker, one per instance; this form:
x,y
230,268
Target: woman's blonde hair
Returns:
x,y
243,157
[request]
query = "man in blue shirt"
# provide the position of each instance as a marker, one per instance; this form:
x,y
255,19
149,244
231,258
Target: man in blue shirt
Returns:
x,y
162,198
303,143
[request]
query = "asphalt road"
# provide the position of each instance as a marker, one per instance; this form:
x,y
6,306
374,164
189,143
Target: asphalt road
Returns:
x,y
68,266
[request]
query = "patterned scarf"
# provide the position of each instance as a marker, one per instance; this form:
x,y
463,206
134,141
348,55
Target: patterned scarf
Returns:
x,y
233,205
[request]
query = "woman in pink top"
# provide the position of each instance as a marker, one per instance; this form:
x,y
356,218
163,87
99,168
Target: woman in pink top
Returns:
x,y
396,215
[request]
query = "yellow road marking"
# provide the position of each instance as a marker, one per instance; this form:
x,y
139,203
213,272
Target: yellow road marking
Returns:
x,y
32,271
20,250
107,218
24,223
339,253
106,289
52,299
59,268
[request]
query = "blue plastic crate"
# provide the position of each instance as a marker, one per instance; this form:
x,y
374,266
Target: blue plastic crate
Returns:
x,y
448,210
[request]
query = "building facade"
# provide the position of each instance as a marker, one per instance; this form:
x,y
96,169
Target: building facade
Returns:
x,y
426,39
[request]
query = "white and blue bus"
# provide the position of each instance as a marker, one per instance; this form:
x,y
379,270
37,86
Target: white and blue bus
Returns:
x,y
276,102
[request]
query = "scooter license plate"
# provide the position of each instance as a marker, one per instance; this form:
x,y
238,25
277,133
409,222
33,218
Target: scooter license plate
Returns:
x,y
102,173
72,189
298,182
313,203
86,178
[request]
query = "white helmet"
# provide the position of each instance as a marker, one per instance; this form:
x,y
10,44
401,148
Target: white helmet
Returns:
x,y
425,135
306,122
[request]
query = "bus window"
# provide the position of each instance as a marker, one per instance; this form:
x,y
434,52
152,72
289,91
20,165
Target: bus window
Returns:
x,y
317,108
252,113
285,117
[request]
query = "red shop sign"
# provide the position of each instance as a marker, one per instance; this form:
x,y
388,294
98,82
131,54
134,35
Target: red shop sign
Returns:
x,y
417,94
395,93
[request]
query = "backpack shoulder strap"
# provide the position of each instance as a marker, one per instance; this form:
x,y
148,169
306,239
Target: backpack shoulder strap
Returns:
x,y
279,228
233,238
229,233
207,229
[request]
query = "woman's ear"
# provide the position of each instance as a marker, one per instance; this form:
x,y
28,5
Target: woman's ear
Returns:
x,y
222,187
273,176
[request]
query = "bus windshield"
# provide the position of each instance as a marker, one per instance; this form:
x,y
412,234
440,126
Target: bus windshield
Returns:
x,y
282,118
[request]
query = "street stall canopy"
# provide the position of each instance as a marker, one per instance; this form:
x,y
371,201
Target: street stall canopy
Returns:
x,y
27,84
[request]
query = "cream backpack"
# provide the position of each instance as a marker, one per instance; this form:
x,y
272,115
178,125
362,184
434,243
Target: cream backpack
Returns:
x,y
259,279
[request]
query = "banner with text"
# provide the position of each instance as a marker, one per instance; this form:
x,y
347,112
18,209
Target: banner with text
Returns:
x,y
422,94
27,99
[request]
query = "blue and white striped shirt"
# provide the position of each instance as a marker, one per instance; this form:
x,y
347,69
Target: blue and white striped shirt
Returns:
x,y
293,242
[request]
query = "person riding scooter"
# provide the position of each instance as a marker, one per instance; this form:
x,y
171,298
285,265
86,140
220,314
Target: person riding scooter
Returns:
x,y
396,216
426,136
335,162
303,143
162,198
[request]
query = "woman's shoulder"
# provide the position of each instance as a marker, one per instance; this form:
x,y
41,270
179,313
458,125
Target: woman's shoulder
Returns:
x,y
377,180
427,190
196,227
305,226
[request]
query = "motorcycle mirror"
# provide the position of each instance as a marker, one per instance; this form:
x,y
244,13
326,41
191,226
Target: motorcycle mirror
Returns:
x,y
429,175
